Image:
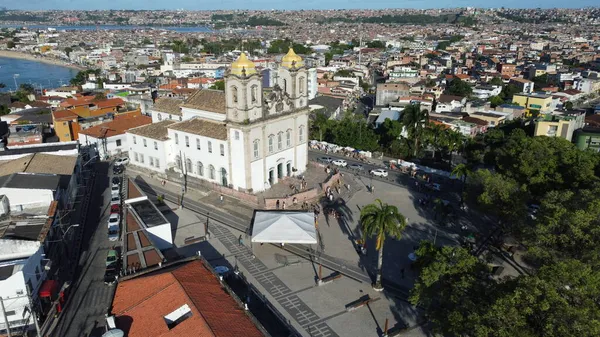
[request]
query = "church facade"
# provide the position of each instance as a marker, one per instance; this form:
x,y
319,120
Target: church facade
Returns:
x,y
246,138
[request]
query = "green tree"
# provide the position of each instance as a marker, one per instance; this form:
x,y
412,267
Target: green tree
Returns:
x,y
569,105
496,81
100,96
10,45
218,85
389,131
381,220
26,87
508,91
344,73
376,44
435,135
496,101
461,171
459,88
68,50
415,120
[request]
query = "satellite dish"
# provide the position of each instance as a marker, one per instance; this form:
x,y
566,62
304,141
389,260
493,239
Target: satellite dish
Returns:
x,y
114,333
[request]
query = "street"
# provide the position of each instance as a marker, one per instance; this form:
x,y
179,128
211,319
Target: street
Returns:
x,y
90,298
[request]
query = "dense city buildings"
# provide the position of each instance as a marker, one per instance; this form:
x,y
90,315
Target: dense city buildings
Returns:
x,y
463,140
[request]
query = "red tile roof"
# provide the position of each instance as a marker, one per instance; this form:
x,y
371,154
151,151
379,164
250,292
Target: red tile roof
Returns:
x,y
116,127
64,115
140,305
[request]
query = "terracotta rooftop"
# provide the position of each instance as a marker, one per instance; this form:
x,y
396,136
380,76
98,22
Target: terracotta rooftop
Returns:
x,y
474,120
207,100
156,131
64,115
202,128
141,304
116,127
449,98
168,105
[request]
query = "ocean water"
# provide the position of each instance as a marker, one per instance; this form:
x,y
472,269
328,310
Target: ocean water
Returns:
x,y
35,73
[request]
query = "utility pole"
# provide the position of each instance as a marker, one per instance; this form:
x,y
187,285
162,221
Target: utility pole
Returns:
x,y
32,309
5,318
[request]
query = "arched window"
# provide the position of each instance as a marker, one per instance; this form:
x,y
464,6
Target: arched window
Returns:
x,y
188,165
234,94
284,85
301,134
301,85
159,116
256,148
178,162
253,93
200,169
288,138
280,141
211,172
271,143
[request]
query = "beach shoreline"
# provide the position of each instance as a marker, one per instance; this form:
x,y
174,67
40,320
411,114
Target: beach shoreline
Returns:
x,y
37,58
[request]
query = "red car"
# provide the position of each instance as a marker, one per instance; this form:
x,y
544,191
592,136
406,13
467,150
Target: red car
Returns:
x,y
115,209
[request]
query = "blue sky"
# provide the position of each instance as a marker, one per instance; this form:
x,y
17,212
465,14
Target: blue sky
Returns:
x,y
278,4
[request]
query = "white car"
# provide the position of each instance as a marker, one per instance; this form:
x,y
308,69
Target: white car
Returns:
x,y
339,162
357,167
379,173
115,200
122,161
325,160
115,190
113,233
113,220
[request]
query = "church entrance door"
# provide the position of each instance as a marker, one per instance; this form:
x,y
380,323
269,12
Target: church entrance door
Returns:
x,y
271,177
279,170
289,169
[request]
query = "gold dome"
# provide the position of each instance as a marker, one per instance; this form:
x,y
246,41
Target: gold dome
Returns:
x,y
289,59
241,64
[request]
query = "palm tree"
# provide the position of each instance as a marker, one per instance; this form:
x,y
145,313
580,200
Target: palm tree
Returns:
x,y
461,171
436,137
415,120
381,220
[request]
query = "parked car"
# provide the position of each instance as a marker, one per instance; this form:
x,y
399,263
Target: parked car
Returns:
x,y
116,180
115,189
357,167
111,274
114,219
121,161
113,232
112,257
325,160
118,169
115,209
339,162
379,173
115,200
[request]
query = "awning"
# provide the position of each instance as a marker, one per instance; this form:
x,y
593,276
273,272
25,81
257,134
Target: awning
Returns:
x,y
48,288
284,227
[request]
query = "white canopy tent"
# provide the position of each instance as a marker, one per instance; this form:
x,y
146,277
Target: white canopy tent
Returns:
x,y
284,227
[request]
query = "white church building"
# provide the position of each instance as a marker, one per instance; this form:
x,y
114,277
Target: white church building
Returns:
x,y
244,137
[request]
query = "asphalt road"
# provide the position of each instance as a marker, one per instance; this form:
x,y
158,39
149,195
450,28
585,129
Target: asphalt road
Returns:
x,y
448,189
90,298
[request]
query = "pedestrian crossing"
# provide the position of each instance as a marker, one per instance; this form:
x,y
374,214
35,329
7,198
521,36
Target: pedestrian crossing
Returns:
x,y
292,304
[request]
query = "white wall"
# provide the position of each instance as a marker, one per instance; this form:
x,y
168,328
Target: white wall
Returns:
x,y
137,150
13,289
190,113
21,198
237,154
112,148
192,153
163,116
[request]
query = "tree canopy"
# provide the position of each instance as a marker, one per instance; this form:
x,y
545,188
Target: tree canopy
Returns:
x,y
459,88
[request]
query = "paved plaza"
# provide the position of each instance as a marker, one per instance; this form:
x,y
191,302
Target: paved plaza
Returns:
x,y
291,285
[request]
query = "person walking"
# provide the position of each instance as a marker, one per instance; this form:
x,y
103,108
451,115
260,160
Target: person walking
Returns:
x,y
240,241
